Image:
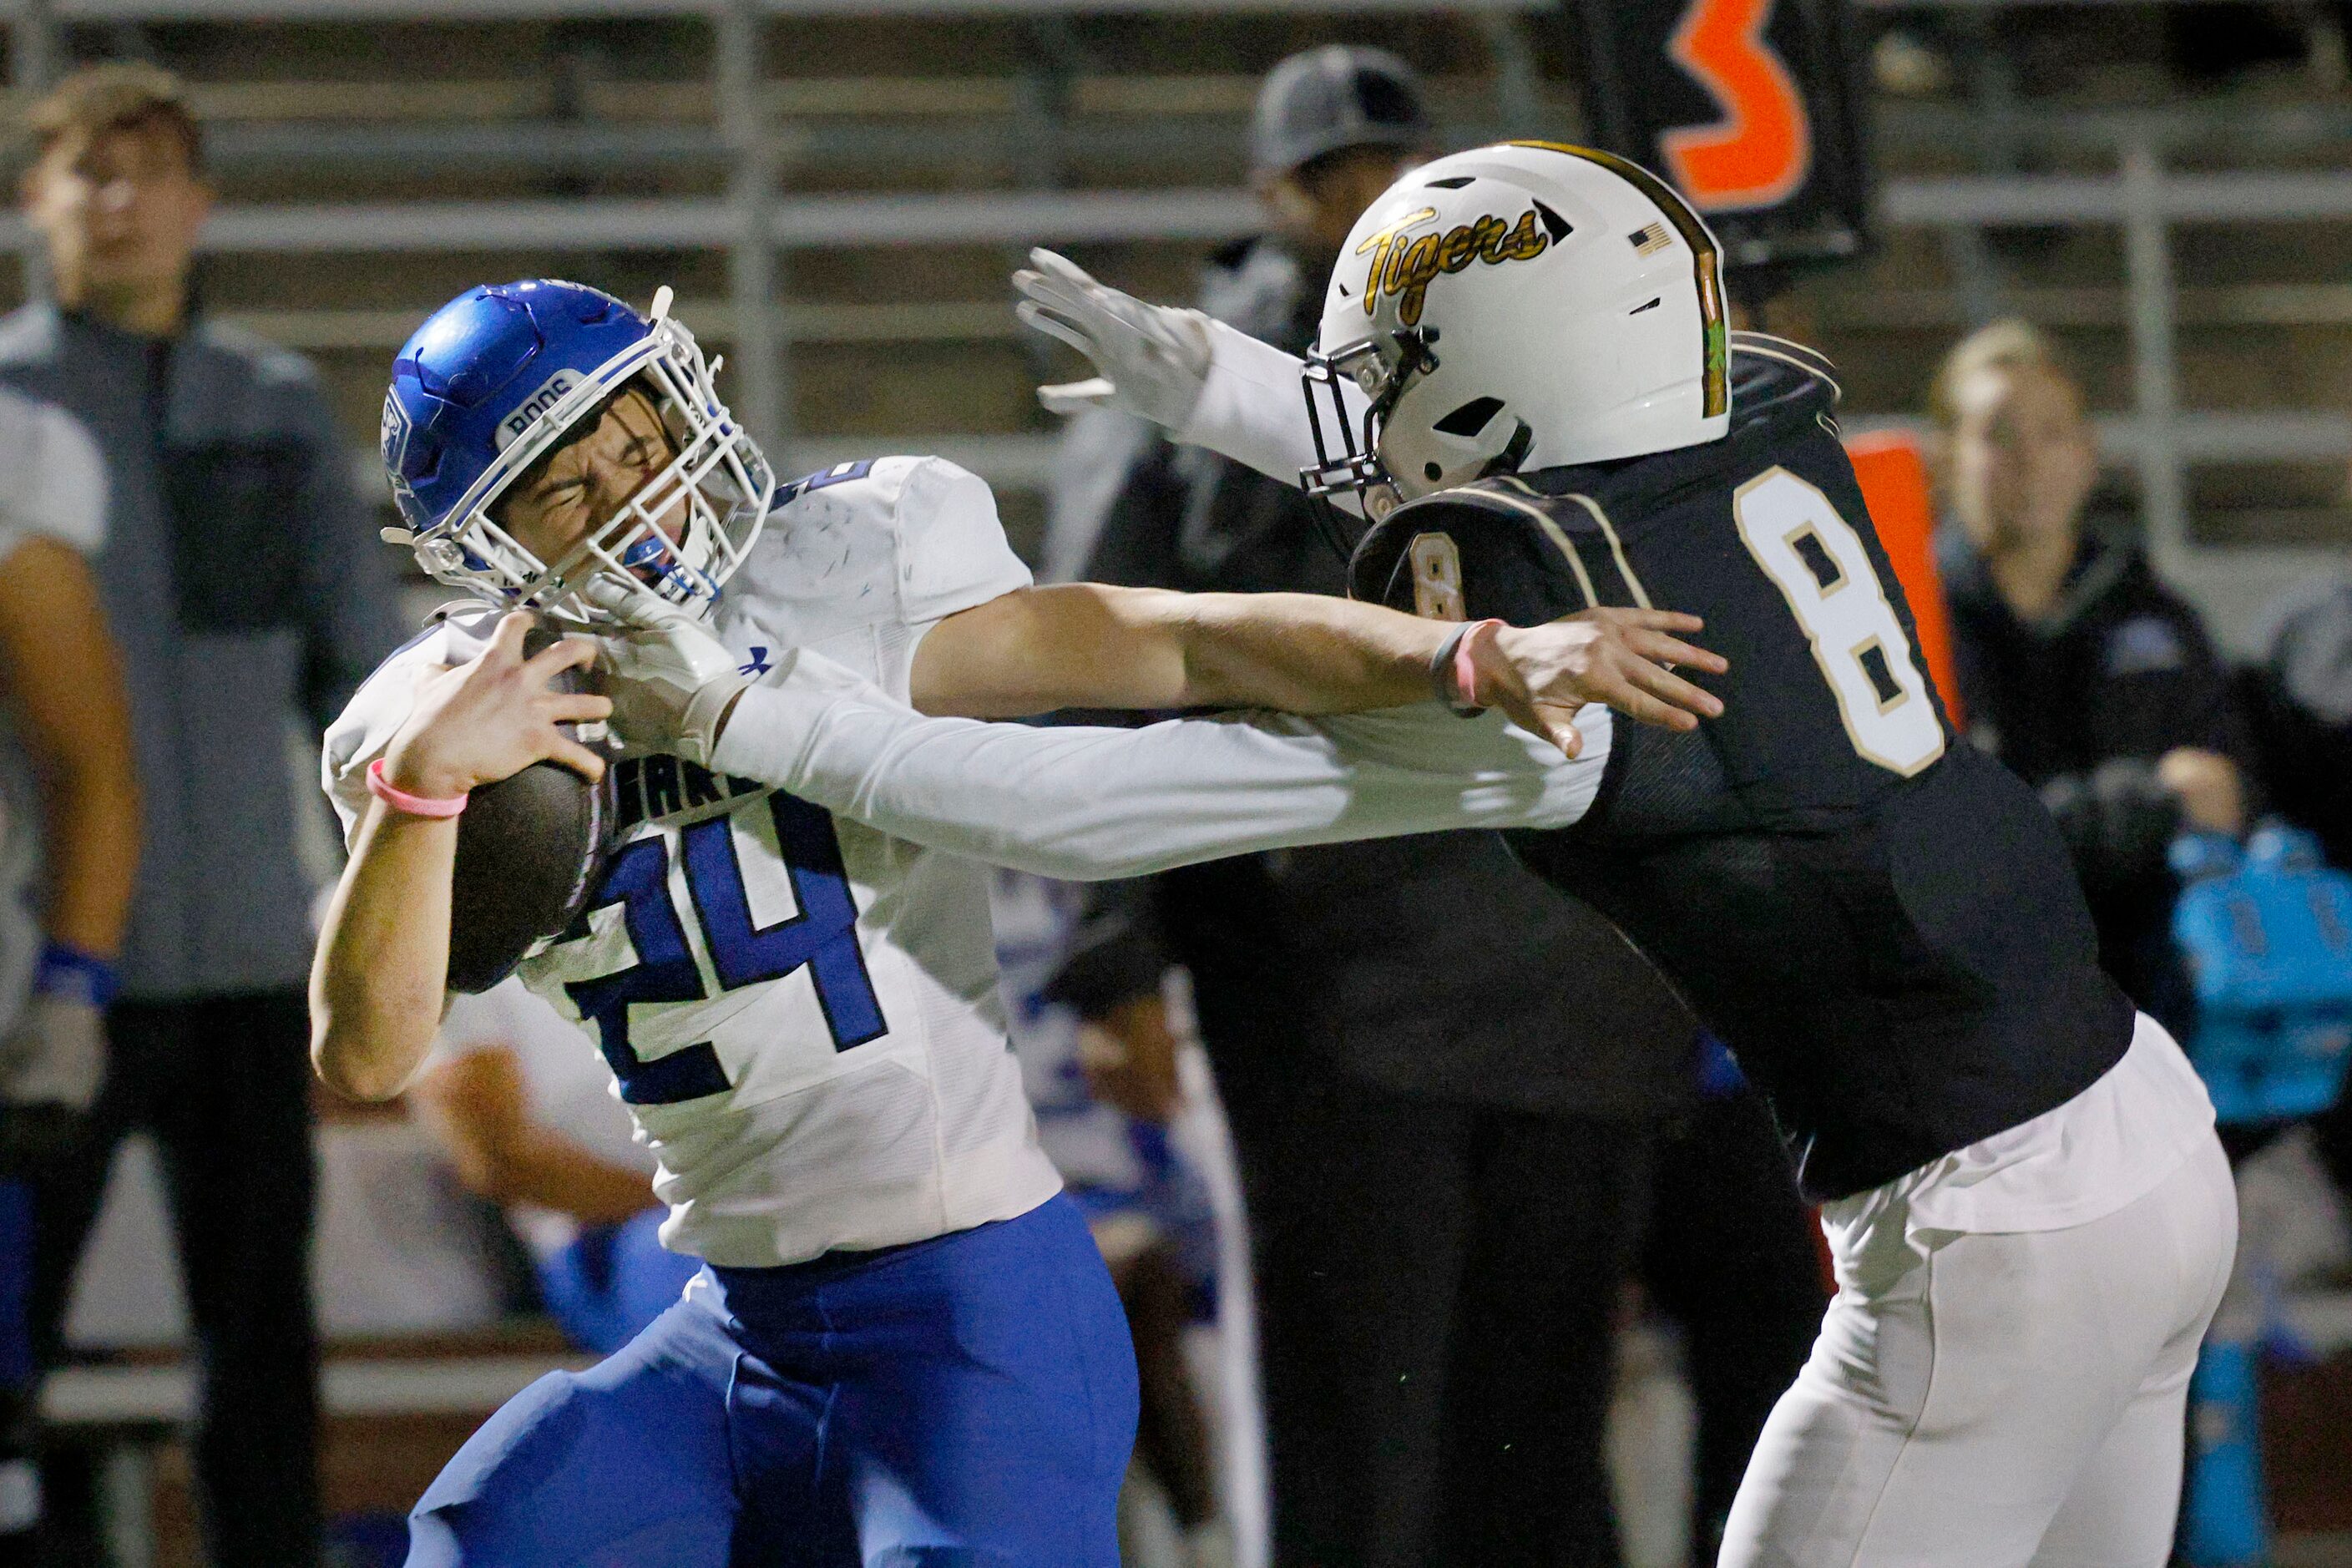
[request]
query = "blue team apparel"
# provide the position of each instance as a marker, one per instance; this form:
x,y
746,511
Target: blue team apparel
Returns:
x,y
961,1401
496,379
2268,935
471,380
607,1285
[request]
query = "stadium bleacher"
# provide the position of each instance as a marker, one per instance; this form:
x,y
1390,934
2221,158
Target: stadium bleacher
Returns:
x,y
377,156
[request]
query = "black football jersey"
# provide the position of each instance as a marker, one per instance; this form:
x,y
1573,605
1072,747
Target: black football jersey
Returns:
x,y
1877,918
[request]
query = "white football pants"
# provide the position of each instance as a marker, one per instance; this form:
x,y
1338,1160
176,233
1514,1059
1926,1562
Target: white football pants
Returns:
x,y
1997,1400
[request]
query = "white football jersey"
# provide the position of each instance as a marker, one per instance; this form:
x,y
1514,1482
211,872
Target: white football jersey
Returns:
x,y
800,1012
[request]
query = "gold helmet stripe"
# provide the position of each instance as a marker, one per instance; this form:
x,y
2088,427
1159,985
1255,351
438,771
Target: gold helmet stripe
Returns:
x,y
1706,264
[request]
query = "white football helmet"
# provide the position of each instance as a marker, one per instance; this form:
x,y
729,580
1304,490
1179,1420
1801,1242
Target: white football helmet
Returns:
x,y
1528,305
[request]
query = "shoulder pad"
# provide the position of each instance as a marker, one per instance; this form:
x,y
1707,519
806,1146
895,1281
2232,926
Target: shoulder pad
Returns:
x,y
27,332
1490,549
1766,369
825,479
52,473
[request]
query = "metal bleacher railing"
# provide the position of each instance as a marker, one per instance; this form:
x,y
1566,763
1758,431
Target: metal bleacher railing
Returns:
x,y
758,126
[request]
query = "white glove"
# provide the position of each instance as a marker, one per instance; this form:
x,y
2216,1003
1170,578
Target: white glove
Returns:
x,y
671,682
1153,359
55,1055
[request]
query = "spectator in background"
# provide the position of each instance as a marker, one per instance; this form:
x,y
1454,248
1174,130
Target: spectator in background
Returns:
x,y
1443,1081
2077,666
69,850
246,591
2299,704
517,1099
1106,1117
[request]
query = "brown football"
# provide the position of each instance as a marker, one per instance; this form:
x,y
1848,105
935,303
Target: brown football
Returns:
x,y
530,850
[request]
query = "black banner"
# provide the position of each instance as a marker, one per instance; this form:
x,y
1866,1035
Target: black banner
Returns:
x,y
1748,107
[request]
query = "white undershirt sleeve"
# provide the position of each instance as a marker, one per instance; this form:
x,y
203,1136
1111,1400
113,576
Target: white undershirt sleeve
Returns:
x,y
1083,804
1253,409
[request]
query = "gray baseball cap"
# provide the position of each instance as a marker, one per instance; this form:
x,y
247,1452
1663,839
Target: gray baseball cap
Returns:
x,y
1339,95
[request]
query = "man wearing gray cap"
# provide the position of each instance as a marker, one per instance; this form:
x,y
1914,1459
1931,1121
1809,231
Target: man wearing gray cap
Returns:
x,y
1332,129
1446,1149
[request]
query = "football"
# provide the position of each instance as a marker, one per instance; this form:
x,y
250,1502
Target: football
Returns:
x,y
530,849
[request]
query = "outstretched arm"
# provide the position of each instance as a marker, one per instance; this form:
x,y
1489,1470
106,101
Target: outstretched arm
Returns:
x,y
1083,645
1203,382
1084,804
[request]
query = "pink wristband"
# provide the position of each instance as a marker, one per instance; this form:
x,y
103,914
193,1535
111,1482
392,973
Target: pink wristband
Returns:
x,y
413,805
1465,667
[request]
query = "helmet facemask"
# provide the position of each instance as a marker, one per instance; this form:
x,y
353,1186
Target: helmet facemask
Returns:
x,y
671,544
1382,367
1480,438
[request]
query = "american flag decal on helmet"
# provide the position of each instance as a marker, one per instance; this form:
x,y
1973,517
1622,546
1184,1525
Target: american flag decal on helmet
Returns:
x,y
1707,270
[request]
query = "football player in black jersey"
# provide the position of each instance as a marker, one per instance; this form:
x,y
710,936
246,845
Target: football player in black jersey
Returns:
x,y
1525,379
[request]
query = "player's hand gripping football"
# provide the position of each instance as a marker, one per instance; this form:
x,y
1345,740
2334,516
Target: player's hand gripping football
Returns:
x,y
489,718
1625,658
1153,360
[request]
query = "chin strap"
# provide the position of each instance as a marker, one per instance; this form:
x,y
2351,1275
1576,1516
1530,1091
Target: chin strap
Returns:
x,y
1514,453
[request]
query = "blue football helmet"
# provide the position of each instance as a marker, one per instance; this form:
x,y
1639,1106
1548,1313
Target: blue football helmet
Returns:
x,y
501,375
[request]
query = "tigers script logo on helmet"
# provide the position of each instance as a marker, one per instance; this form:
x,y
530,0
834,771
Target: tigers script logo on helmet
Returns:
x,y
1523,306
500,376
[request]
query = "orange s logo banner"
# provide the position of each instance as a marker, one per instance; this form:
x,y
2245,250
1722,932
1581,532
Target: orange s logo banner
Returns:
x,y
1760,151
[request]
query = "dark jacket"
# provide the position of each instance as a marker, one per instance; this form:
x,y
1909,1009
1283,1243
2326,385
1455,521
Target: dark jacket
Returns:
x,y
2081,707
249,595
1431,965
2299,706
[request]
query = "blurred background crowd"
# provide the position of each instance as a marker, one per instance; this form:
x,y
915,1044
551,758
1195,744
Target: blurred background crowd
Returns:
x,y
1447,1236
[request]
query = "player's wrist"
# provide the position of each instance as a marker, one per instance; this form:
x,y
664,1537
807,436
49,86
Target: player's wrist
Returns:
x,y
415,772
75,974
1469,669
722,706
704,719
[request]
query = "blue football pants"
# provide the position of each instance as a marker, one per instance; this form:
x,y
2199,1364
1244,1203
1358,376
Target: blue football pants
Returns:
x,y
609,1285
968,1400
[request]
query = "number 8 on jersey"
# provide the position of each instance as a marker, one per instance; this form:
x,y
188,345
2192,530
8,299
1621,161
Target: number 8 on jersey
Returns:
x,y
1817,561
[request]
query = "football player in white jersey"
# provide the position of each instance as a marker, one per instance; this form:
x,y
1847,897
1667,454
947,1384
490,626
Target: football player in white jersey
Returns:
x,y
66,766
905,1349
